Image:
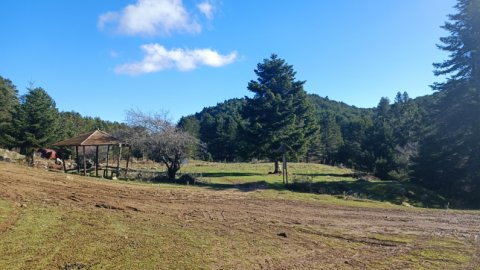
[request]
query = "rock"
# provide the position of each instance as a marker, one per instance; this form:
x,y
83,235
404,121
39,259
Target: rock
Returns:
x,y
10,156
23,205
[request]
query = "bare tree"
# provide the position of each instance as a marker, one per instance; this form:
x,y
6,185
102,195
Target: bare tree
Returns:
x,y
159,138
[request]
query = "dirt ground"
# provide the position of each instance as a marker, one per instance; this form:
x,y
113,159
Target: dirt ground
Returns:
x,y
261,229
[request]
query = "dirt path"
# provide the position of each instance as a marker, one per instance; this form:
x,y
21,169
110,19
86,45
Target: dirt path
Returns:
x,y
316,235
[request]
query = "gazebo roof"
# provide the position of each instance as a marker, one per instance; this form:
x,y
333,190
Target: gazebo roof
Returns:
x,y
94,138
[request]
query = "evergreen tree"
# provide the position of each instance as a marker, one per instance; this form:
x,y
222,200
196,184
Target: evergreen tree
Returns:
x,y
353,151
380,143
407,120
8,105
450,155
191,125
36,121
331,137
280,113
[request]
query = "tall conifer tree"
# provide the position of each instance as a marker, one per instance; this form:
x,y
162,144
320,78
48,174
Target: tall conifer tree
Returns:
x,y
35,122
279,113
8,105
450,156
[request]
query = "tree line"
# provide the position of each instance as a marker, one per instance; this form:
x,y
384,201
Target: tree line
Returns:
x,y
32,120
379,140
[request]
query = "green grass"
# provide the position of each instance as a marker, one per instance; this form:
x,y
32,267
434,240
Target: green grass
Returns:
x,y
240,173
313,178
51,237
5,210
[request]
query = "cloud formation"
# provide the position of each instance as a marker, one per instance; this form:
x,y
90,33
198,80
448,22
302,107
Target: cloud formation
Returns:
x,y
151,17
206,8
158,58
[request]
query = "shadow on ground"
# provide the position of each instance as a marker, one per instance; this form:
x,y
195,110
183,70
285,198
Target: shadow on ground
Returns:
x,y
244,187
326,174
386,191
229,174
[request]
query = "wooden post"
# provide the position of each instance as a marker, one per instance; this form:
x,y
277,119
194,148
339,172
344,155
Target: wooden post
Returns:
x,y
84,162
128,159
96,162
64,166
119,158
105,173
285,167
77,159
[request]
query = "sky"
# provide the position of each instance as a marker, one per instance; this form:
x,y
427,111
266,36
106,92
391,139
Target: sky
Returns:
x,y
102,58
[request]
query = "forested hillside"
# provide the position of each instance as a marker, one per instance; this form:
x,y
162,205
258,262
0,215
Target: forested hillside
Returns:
x,y
378,140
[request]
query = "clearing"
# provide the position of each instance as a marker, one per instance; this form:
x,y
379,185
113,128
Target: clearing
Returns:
x,y
56,221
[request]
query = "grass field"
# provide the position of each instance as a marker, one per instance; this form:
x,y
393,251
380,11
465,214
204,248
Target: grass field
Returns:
x,y
56,221
312,178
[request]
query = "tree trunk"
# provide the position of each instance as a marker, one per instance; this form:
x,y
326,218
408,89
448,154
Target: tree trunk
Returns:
x,y
32,157
171,172
277,168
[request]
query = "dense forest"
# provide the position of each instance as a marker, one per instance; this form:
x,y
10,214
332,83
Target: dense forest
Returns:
x,y
380,140
431,140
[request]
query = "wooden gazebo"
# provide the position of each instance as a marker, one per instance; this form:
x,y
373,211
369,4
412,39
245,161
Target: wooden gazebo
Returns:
x,y
95,138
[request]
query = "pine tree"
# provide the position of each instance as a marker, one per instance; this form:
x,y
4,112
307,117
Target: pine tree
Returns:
x,y
450,155
280,113
380,141
331,136
8,105
35,121
406,119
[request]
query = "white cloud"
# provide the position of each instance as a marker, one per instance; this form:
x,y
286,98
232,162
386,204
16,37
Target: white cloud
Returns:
x,y
158,58
151,17
207,9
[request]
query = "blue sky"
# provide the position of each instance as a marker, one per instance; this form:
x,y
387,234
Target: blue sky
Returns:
x,y
101,58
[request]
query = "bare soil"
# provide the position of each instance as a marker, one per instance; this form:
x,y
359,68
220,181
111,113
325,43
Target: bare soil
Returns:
x,y
264,232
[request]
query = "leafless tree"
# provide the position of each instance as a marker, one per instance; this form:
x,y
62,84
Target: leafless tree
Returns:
x,y
159,138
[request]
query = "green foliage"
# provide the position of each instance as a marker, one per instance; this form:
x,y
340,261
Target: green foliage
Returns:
x,y
8,104
330,136
344,145
218,128
74,124
36,121
449,155
279,113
